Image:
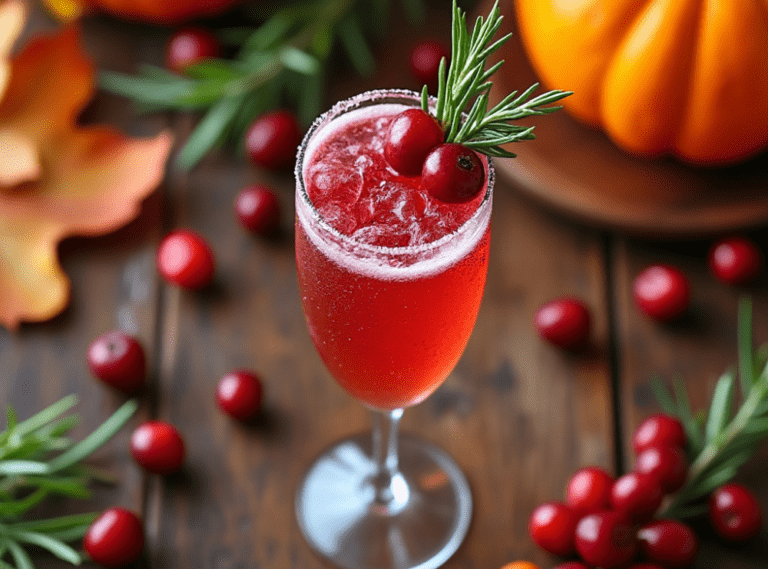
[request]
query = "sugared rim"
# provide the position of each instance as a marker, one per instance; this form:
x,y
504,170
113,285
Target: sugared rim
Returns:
x,y
351,104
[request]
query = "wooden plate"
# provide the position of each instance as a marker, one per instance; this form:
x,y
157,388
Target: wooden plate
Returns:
x,y
579,171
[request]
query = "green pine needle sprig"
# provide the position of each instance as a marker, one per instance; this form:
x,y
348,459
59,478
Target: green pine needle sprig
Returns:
x,y
282,62
467,79
38,460
722,439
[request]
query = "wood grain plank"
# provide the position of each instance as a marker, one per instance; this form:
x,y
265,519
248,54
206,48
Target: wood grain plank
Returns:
x,y
697,349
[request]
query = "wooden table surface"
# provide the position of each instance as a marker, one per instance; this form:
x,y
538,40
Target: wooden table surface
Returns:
x,y
518,415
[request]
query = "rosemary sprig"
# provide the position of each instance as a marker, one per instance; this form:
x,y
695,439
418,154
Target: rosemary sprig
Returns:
x,y
467,79
286,57
38,460
721,441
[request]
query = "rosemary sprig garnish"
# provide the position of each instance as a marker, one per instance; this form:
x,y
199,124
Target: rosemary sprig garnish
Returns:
x,y
38,460
721,441
467,78
281,62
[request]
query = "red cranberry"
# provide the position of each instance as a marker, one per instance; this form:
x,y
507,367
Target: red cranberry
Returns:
x,y
453,173
551,527
736,260
735,513
659,430
589,491
115,539
668,465
425,63
636,495
606,539
158,447
662,292
571,565
239,394
271,141
564,322
258,209
189,46
410,138
669,543
118,360
185,259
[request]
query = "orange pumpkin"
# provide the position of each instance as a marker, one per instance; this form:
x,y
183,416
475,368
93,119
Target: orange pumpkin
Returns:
x,y
155,11
686,77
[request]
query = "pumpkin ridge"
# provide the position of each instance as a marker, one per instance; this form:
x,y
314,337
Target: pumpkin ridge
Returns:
x,y
617,53
721,90
630,25
570,44
644,94
688,113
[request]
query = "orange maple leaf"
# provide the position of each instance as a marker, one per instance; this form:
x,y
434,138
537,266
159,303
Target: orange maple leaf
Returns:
x,y
57,178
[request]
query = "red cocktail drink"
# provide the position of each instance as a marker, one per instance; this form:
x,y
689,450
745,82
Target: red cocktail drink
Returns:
x,y
391,281
393,207
391,278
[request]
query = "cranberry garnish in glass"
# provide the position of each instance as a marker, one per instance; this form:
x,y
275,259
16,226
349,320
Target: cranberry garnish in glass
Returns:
x,y
391,281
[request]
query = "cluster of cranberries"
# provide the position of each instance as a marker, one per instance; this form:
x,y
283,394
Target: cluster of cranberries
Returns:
x,y
414,146
116,538
662,292
608,521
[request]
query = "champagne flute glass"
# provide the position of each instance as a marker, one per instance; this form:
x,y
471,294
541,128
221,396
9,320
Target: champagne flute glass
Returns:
x,y
390,323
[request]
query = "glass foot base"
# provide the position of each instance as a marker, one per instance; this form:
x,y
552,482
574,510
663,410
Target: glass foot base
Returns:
x,y
422,527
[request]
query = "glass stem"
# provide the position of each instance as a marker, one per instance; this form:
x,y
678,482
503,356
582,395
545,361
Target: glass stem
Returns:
x,y
390,489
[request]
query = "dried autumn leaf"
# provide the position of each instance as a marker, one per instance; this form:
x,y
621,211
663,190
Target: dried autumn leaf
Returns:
x,y
16,151
91,180
20,157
